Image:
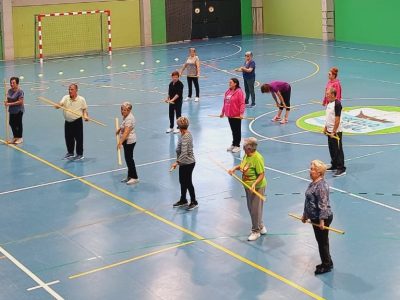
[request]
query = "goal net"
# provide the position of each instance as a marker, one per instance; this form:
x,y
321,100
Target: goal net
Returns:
x,y
73,33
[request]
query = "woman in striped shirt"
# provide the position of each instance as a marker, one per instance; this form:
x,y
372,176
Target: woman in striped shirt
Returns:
x,y
186,162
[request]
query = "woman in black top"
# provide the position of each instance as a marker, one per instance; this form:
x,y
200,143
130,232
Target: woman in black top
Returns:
x,y
175,91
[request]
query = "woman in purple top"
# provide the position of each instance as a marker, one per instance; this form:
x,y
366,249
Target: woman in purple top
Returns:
x,y
280,90
15,104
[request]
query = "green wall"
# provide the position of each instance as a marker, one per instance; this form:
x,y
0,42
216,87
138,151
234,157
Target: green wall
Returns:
x,y
368,21
158,22
247,17
125,22
301,18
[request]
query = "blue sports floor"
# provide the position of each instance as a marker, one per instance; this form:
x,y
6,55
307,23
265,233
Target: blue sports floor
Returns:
x,y
71,230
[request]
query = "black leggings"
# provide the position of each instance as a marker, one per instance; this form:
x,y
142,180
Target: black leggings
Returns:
x,y
336,152
286,99
16,124
174,109
236,127
74,133
195,80
185,179
130,163
323,242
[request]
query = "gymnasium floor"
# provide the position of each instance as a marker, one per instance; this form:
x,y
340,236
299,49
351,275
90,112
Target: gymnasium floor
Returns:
x,y
71,230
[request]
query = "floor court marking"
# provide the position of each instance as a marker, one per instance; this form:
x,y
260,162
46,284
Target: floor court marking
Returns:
x,y
170,223
38,286
126,261
335,189
31,275
85,176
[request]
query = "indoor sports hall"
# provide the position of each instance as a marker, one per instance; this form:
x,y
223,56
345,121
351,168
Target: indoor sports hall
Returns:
x,y
70,229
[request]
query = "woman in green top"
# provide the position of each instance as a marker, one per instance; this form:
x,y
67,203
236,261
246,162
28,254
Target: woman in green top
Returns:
x,y
252,167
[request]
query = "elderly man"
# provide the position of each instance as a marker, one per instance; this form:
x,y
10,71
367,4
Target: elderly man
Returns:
x,y
333,130
73,127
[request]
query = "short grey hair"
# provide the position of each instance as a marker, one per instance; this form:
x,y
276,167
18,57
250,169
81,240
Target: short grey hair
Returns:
x,y
127,105
250,143
249,53
320,166
332,91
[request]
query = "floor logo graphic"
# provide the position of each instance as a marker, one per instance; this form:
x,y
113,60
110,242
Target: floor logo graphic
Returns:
x,y
358,120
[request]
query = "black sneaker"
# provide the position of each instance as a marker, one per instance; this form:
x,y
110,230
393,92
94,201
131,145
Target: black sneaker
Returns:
x,y
180,203
339,173
331,169
192,206
68,156
322,270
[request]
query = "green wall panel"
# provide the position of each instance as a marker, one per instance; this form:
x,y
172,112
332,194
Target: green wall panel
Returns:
x,y
247,17
368,21
301,18
158,22
125,20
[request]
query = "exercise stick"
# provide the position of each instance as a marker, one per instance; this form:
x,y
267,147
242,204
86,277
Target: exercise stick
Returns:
x,y
317,225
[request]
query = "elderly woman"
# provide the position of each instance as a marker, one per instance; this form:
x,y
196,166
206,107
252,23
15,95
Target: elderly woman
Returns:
x,y
186,162
252,167
233,108
15,104
127,140
333,82
193,73
318,210
249,77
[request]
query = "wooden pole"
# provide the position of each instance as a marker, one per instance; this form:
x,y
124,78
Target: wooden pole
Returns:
x,y
69,110
117,137
317,225
262,197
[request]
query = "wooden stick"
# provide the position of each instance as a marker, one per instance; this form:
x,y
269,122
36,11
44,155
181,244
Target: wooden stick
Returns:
x,y
332,136
242,118
262,197
317,225
69,110
6,111
117,137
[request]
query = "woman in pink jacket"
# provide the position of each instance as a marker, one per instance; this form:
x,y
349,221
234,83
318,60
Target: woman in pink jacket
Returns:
x,y
234,109
333,83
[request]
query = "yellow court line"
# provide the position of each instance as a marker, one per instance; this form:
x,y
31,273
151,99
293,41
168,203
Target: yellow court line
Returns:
x,y
170,223
129,260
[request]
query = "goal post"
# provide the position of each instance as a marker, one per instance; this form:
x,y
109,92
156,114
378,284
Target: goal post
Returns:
x,y
72,33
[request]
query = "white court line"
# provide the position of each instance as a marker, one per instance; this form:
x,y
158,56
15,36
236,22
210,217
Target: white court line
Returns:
x,y
349,159
281,136
31,275
77,178
38,286
335,189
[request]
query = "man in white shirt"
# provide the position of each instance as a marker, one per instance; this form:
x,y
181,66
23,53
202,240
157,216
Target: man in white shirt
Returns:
x,y
73,127
333,129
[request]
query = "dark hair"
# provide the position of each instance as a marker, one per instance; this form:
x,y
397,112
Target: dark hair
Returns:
x,y
236,81
14,78
334,71
265,88
175,73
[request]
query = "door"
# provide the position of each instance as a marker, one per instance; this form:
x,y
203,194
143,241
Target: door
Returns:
x,y
215,18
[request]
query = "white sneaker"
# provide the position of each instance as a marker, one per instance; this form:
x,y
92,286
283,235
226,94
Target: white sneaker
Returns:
x,y
253,236
177,130
196,99
230,148
236,149
169,130
19,141
188,98
263,230
132,181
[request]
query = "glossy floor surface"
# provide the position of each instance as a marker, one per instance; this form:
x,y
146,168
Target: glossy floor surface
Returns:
x,y
71,230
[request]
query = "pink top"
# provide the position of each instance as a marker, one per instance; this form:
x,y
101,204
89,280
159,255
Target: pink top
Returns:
x,y
335,83
233,103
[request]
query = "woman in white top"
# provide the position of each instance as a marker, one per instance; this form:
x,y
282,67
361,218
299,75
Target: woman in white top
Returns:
x,y
127,139
193,73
